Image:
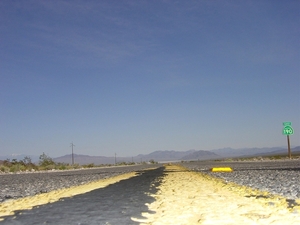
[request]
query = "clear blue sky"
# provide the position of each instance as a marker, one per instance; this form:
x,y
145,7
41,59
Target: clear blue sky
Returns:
x,y
131,77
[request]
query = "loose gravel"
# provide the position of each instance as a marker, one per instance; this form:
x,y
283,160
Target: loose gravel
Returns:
x,y
280,177
13,186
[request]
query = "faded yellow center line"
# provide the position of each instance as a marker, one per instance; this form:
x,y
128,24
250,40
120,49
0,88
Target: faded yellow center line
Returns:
x,y
8,207
186,197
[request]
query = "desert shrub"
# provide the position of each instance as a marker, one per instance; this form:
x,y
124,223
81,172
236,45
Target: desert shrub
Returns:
x,y
62,167
4,169
277,157
31,166
75,166
14,161
50,167
152,161
7,163
16,168
88,165
46,161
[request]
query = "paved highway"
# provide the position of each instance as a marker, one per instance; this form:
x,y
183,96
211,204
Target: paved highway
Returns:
x,y
176,195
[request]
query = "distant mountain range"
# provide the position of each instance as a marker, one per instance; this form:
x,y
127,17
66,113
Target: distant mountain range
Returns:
x,y
167,155
171,155
158,156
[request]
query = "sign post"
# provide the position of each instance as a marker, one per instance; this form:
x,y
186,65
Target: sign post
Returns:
x,y
288,130
289,147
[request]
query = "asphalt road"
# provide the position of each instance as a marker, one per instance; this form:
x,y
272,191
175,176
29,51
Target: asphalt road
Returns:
x,y
119,202
13,186
114,204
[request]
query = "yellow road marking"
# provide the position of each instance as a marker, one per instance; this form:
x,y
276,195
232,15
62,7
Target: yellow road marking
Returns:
x,y
187,197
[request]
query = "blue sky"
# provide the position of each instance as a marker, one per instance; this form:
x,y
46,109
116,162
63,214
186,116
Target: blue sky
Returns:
x,y
131,77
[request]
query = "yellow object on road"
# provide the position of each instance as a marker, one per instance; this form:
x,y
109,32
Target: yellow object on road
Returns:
x,y
221,169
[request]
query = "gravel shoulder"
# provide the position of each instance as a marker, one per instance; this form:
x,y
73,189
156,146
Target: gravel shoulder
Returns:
x,y
280,177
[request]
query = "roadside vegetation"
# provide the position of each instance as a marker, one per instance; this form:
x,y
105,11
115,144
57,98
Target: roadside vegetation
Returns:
x,y
14,165
47,163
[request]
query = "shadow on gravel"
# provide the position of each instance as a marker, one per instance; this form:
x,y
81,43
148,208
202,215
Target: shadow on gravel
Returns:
x,y
114,204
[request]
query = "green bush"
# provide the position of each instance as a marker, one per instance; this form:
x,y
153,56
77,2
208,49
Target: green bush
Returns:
x,y
91,165
4,169
75,166
46,161
62,167
16,168
50,167
31,166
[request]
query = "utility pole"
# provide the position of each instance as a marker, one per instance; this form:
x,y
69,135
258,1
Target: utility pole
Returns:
x,y
72,145
115,158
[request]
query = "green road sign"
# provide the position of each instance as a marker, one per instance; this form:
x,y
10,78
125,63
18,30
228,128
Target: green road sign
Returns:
x,y
287,124
287,130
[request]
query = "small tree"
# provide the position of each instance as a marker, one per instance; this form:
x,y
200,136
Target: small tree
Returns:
x,y
7,162
27,160
46,160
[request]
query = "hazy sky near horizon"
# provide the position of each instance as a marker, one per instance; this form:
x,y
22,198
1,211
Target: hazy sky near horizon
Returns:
x,y
136,76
